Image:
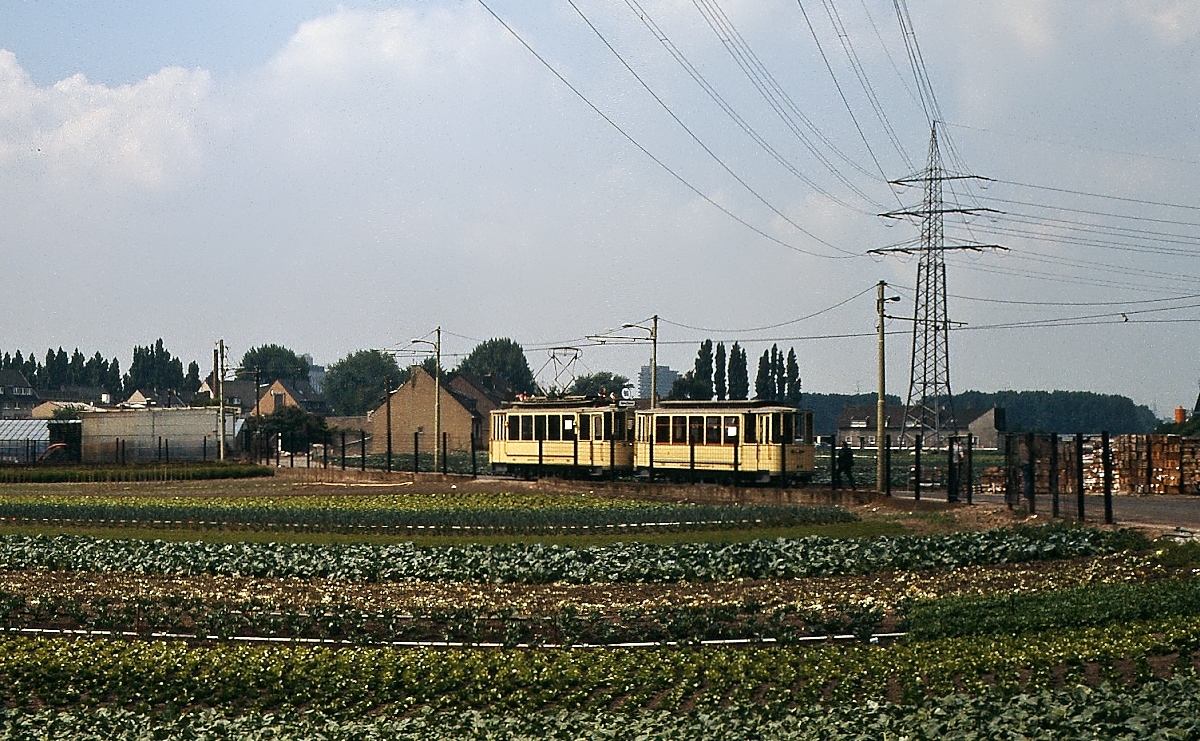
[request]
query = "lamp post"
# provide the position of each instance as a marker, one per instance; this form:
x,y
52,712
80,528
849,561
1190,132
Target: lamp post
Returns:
x,y
653,330
880,469
437,393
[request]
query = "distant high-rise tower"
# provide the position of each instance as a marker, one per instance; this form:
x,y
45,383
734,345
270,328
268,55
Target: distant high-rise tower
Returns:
x,y
666,379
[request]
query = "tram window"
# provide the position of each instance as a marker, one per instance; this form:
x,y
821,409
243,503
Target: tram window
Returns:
x,y
554,427
585,427
750,430
514,427
731,430
597,426
789,430
696,430
568,427
712,430
539,427
679,430
608,426
662,429
618,425
526,427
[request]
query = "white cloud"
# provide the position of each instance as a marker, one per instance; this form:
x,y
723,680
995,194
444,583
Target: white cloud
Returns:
x,y
84,134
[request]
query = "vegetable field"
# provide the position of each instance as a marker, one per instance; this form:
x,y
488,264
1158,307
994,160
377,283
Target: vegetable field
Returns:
x,y
1043,631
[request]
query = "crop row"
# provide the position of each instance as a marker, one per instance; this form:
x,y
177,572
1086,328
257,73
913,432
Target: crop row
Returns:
x,y
154,472
38,672
406,501
1097,604
523,520
567,624
1163,710
888,589
539,564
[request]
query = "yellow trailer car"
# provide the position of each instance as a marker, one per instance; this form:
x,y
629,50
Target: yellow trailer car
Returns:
x,y
729,441
572,437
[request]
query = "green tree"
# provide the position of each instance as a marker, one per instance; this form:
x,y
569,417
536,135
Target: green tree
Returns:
x,y
686,387
354,384
793,396
274,362
739,374
298,430
191,382
504,359
764,382
154,369
703,376
719,373
598,384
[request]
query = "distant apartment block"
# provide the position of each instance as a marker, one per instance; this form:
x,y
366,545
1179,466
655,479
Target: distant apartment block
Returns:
x,y
666,379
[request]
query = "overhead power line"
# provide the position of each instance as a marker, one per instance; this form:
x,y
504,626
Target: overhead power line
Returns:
x,y
713,155
682,180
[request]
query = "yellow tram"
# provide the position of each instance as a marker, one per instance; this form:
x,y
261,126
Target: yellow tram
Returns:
x,y
724,441
563,436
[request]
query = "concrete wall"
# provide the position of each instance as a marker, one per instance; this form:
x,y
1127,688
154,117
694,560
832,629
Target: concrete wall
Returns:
x,y
150,435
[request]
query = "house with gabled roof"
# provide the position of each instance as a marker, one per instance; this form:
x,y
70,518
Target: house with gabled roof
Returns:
x,y
287,393
17,396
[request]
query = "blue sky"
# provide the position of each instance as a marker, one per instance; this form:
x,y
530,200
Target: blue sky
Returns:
x,y
334,176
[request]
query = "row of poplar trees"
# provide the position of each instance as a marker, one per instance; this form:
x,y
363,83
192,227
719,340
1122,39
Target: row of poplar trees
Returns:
x,y
715,376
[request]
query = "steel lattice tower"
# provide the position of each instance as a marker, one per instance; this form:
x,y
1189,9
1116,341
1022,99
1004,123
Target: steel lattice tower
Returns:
x,y
929,410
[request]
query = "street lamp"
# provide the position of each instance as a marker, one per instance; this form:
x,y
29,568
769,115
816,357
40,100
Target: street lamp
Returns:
x,y
437,393
653,330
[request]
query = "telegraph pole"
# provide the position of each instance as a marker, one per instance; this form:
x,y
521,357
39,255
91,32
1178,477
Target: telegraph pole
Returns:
x,y
880,402
437,397
929,410
221,394
654,362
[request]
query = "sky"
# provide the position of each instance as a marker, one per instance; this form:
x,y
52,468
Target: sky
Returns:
x,y
340,176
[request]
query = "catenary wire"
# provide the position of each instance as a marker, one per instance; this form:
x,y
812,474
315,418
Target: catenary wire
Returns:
x,y
682,180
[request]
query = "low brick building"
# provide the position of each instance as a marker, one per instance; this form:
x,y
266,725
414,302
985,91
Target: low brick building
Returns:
x,y
466,402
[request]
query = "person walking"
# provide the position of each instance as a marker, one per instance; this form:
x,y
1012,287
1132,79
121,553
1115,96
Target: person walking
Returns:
x,y
845,464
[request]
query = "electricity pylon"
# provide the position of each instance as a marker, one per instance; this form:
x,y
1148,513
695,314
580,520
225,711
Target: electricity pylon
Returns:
x,y
929,411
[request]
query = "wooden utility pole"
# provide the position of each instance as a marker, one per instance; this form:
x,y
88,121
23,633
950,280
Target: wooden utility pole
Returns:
x,y
221,403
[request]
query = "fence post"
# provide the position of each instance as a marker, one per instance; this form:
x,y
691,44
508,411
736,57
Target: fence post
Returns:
x,y
612,456
1079,486
1030,470
167,450
473,470
1054,474
1149,464
782,465
158,457
970,473
1182,484
416,452
325,451
539,468
691,459
204,447
445,453
117,450
362,450
1106,461
343,450
917,470
951,470
291,459
887,467
835,473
